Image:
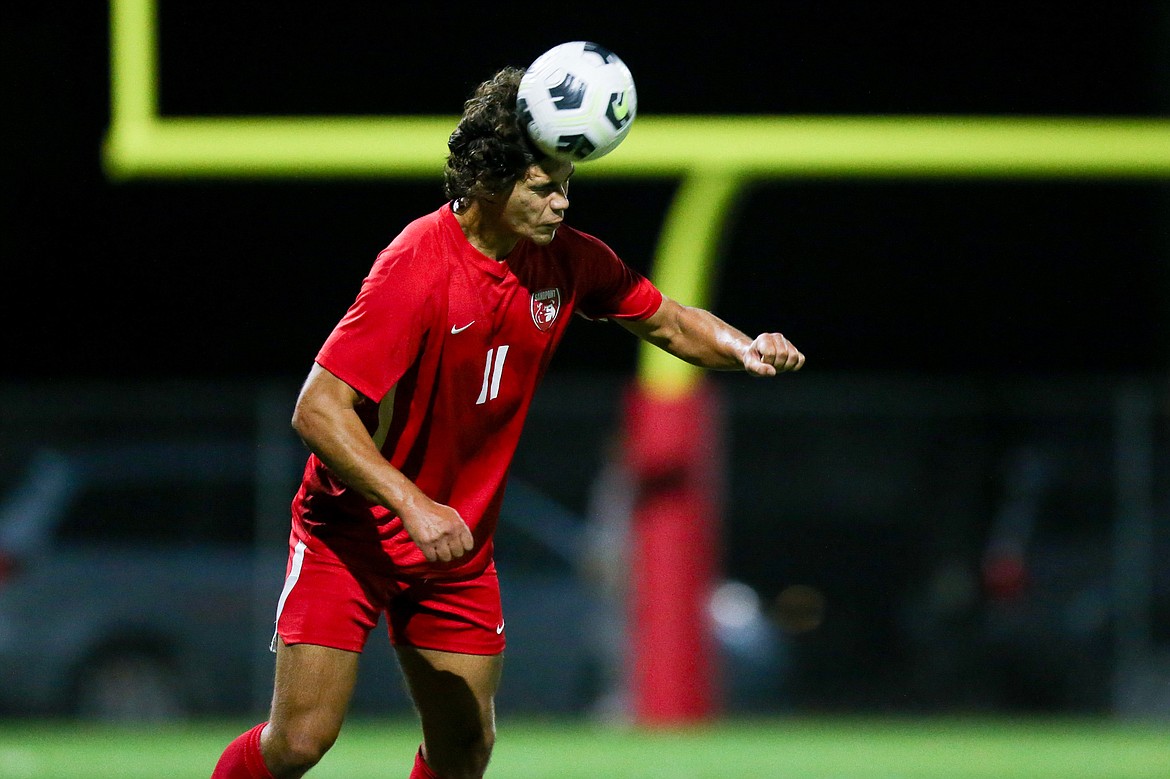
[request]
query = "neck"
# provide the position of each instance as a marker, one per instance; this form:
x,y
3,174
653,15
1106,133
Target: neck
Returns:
x,y
483,226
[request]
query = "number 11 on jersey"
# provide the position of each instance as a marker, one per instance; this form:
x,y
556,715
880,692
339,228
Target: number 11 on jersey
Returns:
x,y
492,370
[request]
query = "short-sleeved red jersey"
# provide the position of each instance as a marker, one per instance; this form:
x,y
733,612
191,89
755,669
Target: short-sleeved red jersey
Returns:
x,y
451,346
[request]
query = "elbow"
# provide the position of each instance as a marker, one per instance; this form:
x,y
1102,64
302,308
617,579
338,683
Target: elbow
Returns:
x,y
298,420
303,420
297,423
321,408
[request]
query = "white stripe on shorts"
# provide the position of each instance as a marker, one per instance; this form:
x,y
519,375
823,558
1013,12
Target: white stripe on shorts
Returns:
x,y
294,573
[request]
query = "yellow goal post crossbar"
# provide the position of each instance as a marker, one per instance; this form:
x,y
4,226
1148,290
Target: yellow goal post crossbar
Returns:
x,y
714,158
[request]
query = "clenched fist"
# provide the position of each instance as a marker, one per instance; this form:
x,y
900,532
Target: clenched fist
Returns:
x,y
438,531
771,353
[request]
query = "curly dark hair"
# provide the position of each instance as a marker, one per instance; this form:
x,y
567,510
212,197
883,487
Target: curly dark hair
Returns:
x,y
489,150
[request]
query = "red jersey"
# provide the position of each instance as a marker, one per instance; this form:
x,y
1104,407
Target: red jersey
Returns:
x,y
451,344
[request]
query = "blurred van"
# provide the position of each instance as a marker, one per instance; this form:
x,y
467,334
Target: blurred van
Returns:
x,y
139,582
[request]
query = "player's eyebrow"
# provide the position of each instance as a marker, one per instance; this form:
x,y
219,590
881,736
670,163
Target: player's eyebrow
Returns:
x,y
549,184
545,181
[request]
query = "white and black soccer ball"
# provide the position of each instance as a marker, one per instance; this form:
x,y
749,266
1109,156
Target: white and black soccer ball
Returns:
x,y
577,101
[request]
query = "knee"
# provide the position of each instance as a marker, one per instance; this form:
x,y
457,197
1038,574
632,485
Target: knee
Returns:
x,y
292,750
480,753
466,757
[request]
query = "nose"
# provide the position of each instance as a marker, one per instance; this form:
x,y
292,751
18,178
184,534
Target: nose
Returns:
x,y
560,201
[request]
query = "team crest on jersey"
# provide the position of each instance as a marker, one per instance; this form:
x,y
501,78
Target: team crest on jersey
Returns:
x,y
546,305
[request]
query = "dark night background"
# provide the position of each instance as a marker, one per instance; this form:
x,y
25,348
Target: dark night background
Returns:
x,y
240,279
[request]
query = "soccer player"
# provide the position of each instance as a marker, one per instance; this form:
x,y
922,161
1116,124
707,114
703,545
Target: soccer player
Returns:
x,y
412,412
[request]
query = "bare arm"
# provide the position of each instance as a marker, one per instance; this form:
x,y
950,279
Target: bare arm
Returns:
x,y
327,421
701,338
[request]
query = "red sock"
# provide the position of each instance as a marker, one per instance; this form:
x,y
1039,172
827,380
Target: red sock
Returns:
x,y
242,758
421,769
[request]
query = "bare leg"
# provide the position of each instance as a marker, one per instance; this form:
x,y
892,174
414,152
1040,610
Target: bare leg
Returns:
x,y
310,697
455,697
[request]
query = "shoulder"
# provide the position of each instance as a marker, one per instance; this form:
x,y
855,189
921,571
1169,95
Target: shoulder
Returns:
x,y
436,224
418,251
424,234
580,250
572,239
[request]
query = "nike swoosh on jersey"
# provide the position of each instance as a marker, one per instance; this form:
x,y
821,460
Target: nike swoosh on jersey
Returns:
x,y
456,330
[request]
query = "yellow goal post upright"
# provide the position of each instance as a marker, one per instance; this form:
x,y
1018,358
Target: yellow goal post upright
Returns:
x,y
672,417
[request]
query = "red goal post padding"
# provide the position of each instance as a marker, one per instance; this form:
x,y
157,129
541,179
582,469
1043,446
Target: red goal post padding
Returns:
x,y
676,458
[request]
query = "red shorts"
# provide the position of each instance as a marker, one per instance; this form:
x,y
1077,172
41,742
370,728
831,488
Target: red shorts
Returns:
x,y
335,599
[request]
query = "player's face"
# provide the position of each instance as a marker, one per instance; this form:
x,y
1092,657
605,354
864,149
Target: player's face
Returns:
x,y
536,205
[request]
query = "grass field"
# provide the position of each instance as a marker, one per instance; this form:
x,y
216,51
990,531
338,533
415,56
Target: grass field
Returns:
x,y
797,747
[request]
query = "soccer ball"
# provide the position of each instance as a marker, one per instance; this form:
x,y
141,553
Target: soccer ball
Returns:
x,y
577,101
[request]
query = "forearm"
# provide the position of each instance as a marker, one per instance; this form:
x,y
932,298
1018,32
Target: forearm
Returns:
x,y
326,419
338,438
703,339
699,338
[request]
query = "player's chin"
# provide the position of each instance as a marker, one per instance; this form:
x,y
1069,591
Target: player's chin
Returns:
x,y
543,236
